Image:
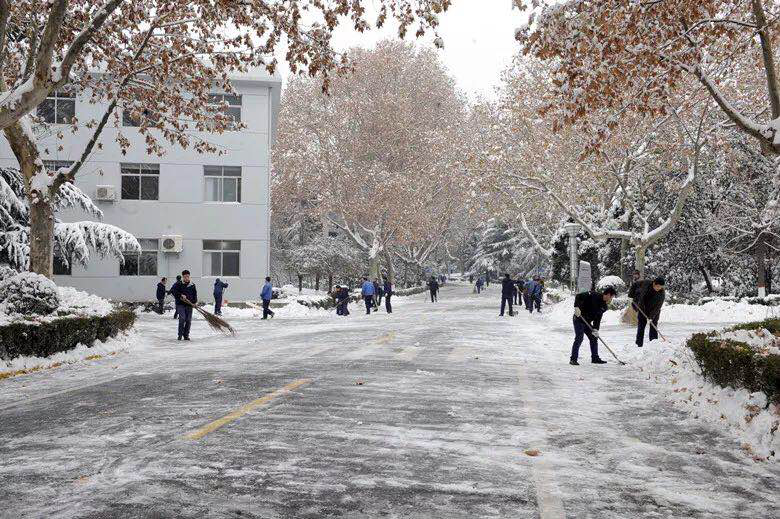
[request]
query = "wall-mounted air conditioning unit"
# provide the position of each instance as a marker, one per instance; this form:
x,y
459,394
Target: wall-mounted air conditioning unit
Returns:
x,y
105,194
171,243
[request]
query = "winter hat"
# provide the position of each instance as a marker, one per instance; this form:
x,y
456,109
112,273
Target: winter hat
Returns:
x,y
659,281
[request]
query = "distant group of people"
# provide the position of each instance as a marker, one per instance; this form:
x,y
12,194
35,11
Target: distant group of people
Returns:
x,y
513,290
371,292
647,297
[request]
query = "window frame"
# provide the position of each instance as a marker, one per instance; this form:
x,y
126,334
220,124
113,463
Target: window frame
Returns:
x,y
137,257
144,171
57,98
221,247
219,181
215,101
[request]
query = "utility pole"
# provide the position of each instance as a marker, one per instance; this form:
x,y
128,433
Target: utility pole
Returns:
x,y
573,229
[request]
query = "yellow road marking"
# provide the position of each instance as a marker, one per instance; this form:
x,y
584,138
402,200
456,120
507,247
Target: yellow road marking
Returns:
x,y
241,411
386,338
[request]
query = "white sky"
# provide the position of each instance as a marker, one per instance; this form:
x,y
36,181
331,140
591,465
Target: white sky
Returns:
x,y
478,42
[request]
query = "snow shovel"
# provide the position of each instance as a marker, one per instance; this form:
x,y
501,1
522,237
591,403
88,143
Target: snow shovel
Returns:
x,y
651,323
602,342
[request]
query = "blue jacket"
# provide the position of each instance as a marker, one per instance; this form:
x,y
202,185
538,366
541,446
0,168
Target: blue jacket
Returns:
x,y
160,291
180,289
219,286
534,288
268,291
368,288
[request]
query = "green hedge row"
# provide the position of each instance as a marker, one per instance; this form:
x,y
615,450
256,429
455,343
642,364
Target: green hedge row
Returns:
x,y
63,334
735,364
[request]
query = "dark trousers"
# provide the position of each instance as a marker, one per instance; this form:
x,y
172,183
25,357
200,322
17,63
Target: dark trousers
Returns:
x,y
185,320
369,300
175,310
479,289
388,306
379,297
342,308
514,297
218,304
160,306
640,329
267,308
504,301
538,303
580,330
434,296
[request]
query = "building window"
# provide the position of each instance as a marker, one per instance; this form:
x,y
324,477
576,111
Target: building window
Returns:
x,y
143,263
60,267
223,183
140,181
221,258
58,108
229,104
54,166
146,115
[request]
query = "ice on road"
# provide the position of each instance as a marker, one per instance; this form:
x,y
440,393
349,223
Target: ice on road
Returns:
x,y
433,411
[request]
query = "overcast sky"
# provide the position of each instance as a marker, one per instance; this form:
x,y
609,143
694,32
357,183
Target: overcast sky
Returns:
x,y
478,42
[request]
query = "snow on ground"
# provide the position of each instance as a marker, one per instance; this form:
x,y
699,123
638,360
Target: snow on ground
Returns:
x,y
122,343
429,412
672,365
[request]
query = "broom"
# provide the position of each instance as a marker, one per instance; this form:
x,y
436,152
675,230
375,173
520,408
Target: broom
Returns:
x,y
216,323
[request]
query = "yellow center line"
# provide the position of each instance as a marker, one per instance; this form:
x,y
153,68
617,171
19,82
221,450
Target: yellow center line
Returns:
x,y
241,411
386,338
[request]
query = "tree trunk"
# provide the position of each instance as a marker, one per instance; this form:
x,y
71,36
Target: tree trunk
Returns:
x,y
316,282
373,268
330,283
390,270
300,283
41,211
42,239
640,260
623,247
707,279
760,257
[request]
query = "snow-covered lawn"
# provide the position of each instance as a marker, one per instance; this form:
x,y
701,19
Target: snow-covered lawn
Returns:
x,y
434,411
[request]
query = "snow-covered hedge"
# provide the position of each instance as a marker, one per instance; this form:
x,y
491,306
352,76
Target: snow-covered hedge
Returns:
x,y
746,356
42,339
611,281
27,293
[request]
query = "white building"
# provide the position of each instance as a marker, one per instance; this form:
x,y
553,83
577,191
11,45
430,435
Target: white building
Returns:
x,y
206,213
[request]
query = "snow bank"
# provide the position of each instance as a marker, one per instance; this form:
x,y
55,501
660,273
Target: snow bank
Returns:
x,y
712,312
72,303
746,414
120,343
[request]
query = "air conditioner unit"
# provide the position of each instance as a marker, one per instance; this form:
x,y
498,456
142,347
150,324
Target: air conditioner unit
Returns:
x,y
171,243
105,193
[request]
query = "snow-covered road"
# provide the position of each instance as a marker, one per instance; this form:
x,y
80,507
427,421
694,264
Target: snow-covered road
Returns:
x,y
427,412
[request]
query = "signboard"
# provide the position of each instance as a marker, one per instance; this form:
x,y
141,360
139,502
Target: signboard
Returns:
x,y
584,279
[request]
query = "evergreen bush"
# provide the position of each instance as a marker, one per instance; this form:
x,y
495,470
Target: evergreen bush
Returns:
x,y
62,334
734,364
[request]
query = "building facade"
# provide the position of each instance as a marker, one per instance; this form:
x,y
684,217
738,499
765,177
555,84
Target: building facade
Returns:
x,y
208,213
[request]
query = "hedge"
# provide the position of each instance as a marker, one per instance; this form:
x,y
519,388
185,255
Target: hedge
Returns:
x,y
63,334
734,364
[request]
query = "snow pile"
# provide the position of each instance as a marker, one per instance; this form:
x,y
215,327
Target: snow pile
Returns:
x,y
39,293
672,366
718,311
75,302
21,365
295,310
611,281
28,293
761,340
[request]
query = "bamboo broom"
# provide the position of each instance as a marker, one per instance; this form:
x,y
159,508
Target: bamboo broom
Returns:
x,y
216,323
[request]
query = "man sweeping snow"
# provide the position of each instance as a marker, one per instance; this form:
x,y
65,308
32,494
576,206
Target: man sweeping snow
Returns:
x,y
181,290
589,307
650,296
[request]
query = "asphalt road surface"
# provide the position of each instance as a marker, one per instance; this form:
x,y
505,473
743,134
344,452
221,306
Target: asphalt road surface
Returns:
x,y
433,411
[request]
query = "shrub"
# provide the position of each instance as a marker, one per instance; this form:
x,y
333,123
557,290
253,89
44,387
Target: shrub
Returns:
x,y
27,293
735,364
62,334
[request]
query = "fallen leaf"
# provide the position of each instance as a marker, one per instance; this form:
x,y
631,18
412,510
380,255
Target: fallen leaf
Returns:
x,y
359,383
532,452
